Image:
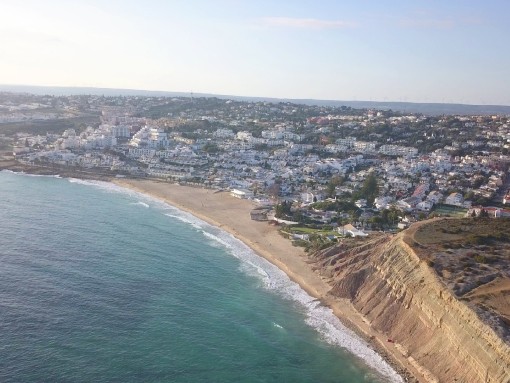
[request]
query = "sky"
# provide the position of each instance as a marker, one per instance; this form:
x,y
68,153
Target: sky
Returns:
x,y
452,51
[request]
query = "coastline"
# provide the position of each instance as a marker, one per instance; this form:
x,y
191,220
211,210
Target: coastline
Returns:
x,y
232,215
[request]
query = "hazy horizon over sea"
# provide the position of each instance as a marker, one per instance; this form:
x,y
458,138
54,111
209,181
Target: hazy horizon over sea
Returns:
x,y
103,284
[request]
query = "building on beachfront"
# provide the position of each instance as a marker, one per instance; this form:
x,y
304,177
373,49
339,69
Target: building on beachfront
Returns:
x,y
259,214
241,193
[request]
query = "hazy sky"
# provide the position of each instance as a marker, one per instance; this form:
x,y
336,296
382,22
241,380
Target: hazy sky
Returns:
x,y
381,50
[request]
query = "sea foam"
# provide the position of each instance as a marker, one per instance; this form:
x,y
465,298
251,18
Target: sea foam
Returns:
x,y
140,203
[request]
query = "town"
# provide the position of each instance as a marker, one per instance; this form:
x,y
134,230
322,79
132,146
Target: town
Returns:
x,y
333,168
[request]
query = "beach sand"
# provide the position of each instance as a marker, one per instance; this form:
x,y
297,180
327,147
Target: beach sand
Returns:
x,y
233,215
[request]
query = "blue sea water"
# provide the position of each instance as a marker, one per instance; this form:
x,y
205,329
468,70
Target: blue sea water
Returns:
x,y
102,284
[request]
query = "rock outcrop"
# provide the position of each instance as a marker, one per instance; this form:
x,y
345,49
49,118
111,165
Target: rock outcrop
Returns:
x,y
401,295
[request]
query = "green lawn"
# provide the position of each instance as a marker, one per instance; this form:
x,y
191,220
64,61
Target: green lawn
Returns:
x,y
450,211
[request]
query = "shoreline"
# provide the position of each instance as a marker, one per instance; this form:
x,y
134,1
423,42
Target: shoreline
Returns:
x,y
232,215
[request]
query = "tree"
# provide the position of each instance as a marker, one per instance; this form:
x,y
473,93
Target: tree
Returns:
x,y
298,216
283,209
332,184
484,213
370,189
469,195
211,148
393,215
376,222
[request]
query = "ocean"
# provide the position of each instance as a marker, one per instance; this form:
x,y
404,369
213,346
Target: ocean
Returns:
x,y
102,284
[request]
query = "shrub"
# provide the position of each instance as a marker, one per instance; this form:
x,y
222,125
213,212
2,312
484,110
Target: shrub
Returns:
x,y
299,243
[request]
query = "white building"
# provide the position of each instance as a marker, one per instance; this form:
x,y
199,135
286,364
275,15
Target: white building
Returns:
x,y
241,193
349,229
244,136
397,150
348,141
425,205
364,146
272,134
139,152
154,138
99,141
224,133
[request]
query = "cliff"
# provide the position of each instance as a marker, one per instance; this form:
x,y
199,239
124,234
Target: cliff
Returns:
x,y
402,296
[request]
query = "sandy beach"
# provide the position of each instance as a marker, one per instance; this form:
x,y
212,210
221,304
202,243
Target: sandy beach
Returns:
x,y
233,215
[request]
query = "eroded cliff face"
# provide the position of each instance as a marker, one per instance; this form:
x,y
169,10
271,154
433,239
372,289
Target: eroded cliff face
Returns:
x,y
401,296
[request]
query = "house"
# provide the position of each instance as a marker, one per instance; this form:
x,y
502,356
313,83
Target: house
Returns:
x,y
319,215
435,196
350,229
383,202
454,199
493,212
408,203
241,194
506,198
421,190
424,205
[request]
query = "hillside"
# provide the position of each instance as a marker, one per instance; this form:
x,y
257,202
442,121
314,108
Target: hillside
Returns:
x,y
439,291
427,108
